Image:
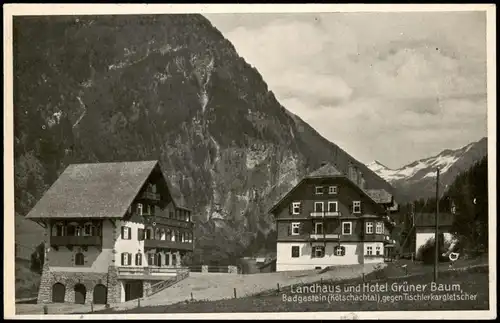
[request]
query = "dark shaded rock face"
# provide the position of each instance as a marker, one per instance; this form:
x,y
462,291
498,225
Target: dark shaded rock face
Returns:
x,y
169,87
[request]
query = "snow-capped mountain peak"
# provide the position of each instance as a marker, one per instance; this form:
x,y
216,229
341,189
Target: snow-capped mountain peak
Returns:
x,y
427,167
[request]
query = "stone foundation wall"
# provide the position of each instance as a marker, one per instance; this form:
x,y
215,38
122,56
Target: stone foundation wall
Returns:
x,y
71,279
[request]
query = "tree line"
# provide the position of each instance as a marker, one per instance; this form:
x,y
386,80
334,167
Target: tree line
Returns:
x,y
467,199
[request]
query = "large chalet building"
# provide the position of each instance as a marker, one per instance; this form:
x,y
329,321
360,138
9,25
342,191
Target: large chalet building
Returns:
x,y
330,219
113,232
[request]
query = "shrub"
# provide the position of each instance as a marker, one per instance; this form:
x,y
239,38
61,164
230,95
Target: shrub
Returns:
x,y
426,252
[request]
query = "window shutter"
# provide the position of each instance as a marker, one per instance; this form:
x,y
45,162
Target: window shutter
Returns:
x,y
129,258
301,228
342,251
129,233
290,229
290,209
123,232
123,259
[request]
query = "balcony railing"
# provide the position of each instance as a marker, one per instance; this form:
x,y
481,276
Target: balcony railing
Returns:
x,y
317,236
152,271
324,214
150,196
167,244
76,240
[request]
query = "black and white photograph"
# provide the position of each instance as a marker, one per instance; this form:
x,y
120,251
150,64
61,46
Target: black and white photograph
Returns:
x,y
249,161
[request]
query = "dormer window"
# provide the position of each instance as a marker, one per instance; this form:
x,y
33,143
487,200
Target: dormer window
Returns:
x,y
332,190
139,208
319,190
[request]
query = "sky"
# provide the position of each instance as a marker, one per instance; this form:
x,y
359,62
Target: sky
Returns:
x,y
392,87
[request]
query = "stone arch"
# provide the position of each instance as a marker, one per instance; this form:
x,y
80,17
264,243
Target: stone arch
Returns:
x,y
100,294
58,293
80,293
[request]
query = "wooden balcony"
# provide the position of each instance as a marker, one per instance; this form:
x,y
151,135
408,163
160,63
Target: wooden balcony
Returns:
x,y
167,244
75,240
322,237
324,214
149,196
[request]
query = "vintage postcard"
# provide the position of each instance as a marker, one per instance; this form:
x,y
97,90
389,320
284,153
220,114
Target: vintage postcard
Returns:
x,y
249,161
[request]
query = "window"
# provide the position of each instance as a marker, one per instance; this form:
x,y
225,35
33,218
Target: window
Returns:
x,y
318,228
356,207
339,251
126,259
171,214
318,207
138,259
380,228
59,229
346,228
333,207
158,259
153,188
378,251
369,227
369,250
296,208
79,259
295,228
167,259
319,190
78,231
87,229
151,259
318,252
332,190
139,208
295,251
126,233
174,259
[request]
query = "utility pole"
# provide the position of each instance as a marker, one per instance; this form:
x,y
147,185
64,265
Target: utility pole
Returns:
x,y
436,238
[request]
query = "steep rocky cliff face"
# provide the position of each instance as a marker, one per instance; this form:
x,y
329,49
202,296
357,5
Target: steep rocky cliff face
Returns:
x,y
172,88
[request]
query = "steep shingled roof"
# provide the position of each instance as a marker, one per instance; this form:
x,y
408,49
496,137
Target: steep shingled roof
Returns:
x,y
100,190
325,171
379,195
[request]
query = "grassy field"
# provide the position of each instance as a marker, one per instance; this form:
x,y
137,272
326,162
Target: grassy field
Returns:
x,y
27,282
473,288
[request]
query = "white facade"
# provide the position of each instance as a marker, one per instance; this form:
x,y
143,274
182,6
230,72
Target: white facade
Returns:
x,y
353,255
95,260
425,234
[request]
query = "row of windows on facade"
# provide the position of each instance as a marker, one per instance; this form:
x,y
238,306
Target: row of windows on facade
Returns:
x,y
319,251
332,207
346,228
157,234
153,259
74,229
147,209
319,190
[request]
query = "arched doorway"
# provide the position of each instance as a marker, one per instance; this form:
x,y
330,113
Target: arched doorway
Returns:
x,y
80,292
100,292
58,292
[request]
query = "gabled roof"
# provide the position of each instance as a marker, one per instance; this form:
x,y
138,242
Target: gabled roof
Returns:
x,y
327,170
100,190
379,195
428,220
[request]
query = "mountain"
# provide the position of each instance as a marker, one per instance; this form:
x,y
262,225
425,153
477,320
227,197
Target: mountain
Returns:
x,y
418,179
166,87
